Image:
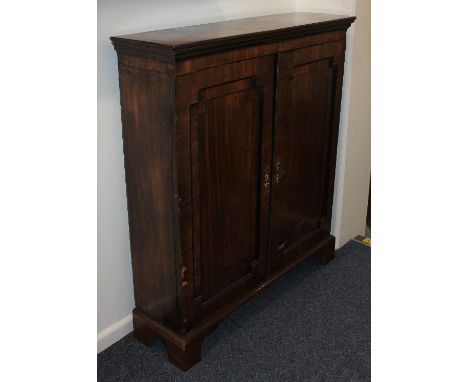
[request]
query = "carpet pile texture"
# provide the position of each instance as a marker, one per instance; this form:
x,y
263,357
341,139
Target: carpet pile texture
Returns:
x,y
312,325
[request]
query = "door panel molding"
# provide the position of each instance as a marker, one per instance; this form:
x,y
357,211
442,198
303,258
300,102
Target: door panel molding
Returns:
x,y
224,108
305,145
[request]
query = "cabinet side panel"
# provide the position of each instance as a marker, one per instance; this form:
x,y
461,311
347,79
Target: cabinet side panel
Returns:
x,y
147,91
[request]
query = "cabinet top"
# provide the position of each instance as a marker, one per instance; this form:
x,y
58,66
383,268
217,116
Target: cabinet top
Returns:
x,y
194,40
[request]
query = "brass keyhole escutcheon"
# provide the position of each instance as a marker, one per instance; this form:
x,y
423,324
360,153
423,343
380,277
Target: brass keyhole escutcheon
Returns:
x,y
266,178
277,172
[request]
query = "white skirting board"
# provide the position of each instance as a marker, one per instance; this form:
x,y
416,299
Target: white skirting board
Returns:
x,y
113,333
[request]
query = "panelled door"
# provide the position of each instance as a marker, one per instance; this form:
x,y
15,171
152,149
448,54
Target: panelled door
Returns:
x,y
306,127
224,132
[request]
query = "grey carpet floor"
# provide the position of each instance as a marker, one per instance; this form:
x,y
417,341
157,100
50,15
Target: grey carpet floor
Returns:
x,y
312,325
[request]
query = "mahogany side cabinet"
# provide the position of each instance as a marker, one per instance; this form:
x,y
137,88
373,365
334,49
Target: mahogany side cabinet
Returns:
x,y
230,132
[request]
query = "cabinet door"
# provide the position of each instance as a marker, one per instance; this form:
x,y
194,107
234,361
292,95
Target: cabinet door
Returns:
x,y
224,123
307,117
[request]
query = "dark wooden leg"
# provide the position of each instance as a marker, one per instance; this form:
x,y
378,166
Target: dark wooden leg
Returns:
x,y
142,332
328,253
184,356
326,258
184,351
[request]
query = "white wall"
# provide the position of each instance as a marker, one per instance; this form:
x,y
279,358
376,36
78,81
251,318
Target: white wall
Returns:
x,y
326,6
116,17
354,151
356,174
